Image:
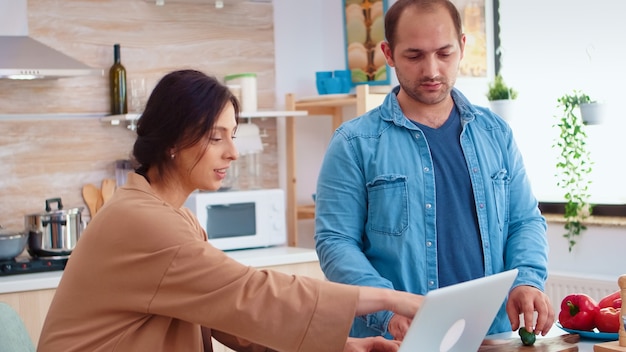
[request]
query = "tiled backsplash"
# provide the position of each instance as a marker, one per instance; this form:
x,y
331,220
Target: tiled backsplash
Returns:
x,y
54,158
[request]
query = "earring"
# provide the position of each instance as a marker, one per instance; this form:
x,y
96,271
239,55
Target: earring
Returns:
x,y
173,156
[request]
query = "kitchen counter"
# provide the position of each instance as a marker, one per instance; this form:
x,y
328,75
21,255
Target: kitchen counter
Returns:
x,y
262,257
271,256
585,344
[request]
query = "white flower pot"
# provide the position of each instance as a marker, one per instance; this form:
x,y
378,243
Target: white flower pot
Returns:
x,y
592,113
503,108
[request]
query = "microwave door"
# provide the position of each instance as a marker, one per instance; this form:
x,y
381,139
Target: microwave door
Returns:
x,y
232,226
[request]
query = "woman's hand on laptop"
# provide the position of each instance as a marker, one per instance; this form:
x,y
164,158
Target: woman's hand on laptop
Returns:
x,y
373,299
371,344
403,304
528,300
398,326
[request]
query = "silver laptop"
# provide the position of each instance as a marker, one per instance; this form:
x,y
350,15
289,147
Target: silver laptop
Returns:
x,y
456,318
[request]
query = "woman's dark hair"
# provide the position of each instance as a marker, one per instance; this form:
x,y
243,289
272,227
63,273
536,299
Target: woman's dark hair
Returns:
x,y
181,110
395,11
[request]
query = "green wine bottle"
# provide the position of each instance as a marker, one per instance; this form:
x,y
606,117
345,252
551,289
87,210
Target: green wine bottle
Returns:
x,y
117,82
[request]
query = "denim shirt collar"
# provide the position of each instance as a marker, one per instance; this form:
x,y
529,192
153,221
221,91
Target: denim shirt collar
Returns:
x,y
393,113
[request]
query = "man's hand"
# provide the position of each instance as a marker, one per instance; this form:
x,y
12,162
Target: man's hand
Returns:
x,y
398,326
528,300
371,344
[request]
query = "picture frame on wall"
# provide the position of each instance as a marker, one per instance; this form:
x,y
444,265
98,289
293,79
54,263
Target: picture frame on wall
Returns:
x,y
479,58
363,22
364,30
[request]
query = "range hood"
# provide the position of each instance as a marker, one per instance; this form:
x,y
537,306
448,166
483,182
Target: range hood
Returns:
x,y
22,57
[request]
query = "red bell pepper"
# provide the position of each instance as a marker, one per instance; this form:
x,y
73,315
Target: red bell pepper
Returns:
x,y
578,312
617,303
607,319
613,300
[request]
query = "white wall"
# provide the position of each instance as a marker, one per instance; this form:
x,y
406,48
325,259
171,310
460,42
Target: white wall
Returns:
x,y
549,49
308,38
598,252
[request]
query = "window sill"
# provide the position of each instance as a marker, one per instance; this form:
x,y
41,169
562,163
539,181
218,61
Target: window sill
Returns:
x,y
603,214
594,220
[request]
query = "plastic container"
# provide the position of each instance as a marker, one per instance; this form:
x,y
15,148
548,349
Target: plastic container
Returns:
x,y
320,76
249,169
235,89
247,83
122,168
346,79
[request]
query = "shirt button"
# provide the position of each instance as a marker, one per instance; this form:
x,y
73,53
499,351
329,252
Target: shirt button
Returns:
x,y
429,244
481,205
426,169
431,283
475,169
417,135
428,206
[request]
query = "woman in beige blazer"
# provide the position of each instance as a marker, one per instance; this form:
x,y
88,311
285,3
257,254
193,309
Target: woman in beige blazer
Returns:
x,y
144,278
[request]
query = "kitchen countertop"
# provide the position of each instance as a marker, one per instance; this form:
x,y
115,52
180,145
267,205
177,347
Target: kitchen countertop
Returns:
x,y
585,344
262,257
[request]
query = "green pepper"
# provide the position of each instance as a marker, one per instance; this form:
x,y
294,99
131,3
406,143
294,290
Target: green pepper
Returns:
x,y
528,338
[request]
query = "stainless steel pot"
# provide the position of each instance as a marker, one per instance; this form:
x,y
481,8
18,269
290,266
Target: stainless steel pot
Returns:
x,y
55,232
12,243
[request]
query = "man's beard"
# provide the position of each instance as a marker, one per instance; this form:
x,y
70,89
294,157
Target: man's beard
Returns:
x,y
413,89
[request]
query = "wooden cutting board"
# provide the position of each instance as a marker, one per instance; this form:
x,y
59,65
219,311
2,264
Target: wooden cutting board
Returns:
x,y
563,343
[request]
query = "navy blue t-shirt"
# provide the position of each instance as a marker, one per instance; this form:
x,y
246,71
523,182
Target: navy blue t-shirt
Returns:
x,y
459,249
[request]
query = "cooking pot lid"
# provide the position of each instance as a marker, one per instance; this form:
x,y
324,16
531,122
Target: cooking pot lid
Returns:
x,y
59,211
71,211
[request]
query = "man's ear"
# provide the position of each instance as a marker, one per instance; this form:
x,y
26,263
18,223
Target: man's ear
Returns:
x,y
384,46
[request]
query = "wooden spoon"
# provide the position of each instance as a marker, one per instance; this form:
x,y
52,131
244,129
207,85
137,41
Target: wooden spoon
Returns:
x,y
91,194
100,200
108,188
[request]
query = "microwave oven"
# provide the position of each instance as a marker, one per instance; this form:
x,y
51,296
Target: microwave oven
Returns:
x,y
241,219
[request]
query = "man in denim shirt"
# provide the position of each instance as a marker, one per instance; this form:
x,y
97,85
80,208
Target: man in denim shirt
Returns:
x,y
428,190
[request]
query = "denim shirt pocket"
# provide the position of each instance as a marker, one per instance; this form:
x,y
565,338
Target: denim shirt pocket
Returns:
x,y
388,209
501,181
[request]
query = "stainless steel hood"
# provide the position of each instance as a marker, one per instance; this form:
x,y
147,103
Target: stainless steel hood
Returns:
x,y
22,57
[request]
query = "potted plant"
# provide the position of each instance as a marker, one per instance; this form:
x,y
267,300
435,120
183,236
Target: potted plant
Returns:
x,y
573,165
500,97
591,112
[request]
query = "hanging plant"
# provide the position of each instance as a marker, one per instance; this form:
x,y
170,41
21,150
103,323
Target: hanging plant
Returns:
x,y
573,165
